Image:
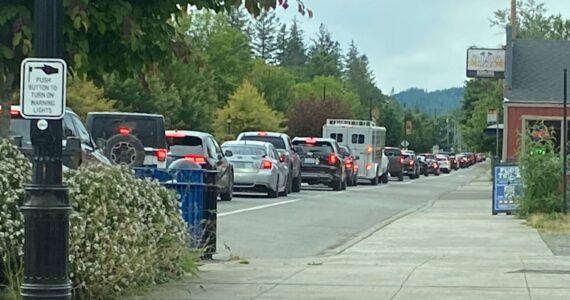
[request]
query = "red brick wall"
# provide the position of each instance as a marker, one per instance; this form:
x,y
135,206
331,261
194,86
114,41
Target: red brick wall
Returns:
x,y
515,113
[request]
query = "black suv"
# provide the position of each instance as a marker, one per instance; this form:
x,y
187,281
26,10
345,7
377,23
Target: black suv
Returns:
x,y
321,162
132,139
201,148
73,129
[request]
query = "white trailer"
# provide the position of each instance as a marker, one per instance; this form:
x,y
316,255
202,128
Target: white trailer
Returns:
x,y
367,141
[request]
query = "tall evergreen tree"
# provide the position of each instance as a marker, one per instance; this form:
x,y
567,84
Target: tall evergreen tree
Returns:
x,y
281,44
324,55
295,51
264,42
238,18
358,76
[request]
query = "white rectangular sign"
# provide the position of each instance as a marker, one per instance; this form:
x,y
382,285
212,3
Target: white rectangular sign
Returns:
x,y
42,88
492,116
485,63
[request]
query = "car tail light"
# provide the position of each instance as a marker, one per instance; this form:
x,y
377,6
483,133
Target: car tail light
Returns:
x,y
14,112
435,166
172,134
369,149
262,133
311,141
411,163
401,160
266,164
368,167
160,154
348,163
195,158
332,159
124,130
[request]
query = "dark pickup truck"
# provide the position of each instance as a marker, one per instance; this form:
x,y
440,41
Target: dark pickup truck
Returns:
x,y
395,162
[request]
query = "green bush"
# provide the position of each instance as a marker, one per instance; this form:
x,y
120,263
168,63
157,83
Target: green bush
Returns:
x,y
124,232
541,172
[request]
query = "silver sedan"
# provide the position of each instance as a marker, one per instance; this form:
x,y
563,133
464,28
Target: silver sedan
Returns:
x,y
257,168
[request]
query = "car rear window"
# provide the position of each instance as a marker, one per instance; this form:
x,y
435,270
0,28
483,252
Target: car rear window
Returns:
x,y
246,150
393,152
344,151
20,127
145,129
185,145
316,147
441,158
277,142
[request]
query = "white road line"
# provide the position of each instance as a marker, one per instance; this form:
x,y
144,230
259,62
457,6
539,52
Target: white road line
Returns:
x,y
370,188
257,207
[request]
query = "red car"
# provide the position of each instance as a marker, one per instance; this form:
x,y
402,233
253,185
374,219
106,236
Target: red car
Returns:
x,y
350,165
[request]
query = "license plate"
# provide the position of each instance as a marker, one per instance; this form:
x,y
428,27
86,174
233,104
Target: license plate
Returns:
x,y
243,165
310,161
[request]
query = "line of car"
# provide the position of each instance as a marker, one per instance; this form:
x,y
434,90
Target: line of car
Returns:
x,y
270,163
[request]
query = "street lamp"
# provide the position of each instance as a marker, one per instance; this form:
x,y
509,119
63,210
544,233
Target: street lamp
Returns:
x,y
229,122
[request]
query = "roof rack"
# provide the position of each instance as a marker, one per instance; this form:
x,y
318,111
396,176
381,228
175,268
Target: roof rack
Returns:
x,y
351,122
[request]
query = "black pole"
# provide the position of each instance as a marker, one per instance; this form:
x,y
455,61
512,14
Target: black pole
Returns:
x,y
370,108
46,206
565,147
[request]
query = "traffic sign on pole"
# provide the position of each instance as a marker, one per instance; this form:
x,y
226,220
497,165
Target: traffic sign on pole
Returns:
x,y
404,144
42,88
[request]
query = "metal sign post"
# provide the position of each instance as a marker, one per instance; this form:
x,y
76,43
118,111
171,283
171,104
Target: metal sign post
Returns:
x,y
46,207
565,147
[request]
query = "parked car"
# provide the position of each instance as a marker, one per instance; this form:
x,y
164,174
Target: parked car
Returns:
x,y
444,163
257,168
132,139
202,149
395,162
73,129
428,164
321,162
462,161
350,165
411,164
282,142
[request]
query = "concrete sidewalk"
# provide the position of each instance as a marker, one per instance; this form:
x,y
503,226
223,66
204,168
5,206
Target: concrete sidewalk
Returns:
x,y
454,249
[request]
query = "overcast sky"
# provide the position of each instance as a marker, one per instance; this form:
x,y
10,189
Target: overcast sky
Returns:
x,y
412,43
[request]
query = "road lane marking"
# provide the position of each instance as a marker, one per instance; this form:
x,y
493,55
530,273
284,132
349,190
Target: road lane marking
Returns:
x,y
258,207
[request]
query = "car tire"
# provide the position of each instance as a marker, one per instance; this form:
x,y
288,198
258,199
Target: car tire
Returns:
x,y
355,180
271,193
437,174
337,185
385,178
426,173
118,144
228,195
374,181
344,184
297,184
401,176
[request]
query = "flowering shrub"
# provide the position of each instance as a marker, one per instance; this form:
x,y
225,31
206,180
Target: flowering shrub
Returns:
x,y
15,171
124,232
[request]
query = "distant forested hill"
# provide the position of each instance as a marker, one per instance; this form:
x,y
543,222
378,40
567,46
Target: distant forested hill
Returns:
x,y
434,102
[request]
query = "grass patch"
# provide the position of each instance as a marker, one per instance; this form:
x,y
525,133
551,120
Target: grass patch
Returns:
x,y
550,222
190,261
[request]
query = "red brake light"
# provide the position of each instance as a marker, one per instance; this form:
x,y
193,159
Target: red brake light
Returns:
x,y
369,149
124,130
311,141
266,164
332,159
196,158
160,154
14,112
262,133
411,162
368,167
401,160
171,134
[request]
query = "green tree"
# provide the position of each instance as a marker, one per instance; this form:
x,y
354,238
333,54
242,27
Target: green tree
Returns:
x,y
248,111
324,55
84,96
122,36
327,87
295,50
281,44
275,84
238,18
264,42
392,117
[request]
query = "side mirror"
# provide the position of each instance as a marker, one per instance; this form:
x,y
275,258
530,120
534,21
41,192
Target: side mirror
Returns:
x,y
228,153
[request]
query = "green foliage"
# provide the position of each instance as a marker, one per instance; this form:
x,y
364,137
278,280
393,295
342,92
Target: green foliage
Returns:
x,y
307,116
423,136
248,111
275,83
324,55
264,43
392,117
481,95
295,53
83,96
541,175
434,102
327,87
15,171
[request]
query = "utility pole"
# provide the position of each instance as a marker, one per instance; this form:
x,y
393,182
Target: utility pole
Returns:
x,y
324,92
514,17
565,146
370,108
46,205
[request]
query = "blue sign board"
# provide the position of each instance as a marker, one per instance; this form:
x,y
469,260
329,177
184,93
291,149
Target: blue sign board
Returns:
x,y
507,187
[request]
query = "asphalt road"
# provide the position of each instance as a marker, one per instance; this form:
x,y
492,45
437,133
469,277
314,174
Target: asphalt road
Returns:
x,y
309,223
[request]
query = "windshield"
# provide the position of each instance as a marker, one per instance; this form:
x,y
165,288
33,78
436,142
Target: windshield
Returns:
x,y
277,142
246,150
145,129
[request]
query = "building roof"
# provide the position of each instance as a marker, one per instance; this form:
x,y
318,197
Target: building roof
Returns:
x,y
537,70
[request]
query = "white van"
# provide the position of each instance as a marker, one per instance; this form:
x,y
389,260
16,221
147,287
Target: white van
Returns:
x,y
367,141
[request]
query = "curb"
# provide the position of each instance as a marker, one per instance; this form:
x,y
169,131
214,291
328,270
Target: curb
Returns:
x,y
369,232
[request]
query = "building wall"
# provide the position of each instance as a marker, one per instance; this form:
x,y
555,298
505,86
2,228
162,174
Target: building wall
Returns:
x,y
515,117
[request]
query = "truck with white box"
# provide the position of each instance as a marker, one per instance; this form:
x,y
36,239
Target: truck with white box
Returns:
x,y
367,141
